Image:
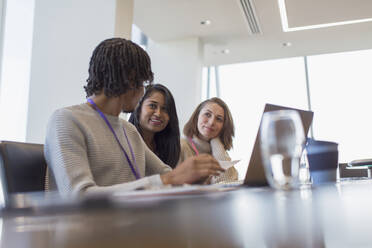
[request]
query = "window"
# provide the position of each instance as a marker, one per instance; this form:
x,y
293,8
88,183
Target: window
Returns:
x,y
15,71
340,87
139,37
340,90
247,87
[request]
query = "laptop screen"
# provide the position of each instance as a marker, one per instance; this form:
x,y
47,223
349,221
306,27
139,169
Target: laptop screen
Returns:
x,y
255,175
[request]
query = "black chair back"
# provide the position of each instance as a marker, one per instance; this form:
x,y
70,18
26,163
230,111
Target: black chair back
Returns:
x,y
23,167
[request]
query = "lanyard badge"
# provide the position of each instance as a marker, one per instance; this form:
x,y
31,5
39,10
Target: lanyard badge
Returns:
x,y
131,164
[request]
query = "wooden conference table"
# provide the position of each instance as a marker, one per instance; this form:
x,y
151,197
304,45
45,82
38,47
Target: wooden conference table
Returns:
x,y
331,215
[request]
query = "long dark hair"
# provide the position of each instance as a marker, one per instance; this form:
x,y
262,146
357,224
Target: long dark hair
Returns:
x,y
167,142
116,66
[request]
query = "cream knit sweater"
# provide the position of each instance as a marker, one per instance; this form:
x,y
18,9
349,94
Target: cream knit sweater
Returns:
x,y
83,155
216,149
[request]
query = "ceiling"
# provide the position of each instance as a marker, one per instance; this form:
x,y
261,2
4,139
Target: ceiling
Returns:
x,y
166,20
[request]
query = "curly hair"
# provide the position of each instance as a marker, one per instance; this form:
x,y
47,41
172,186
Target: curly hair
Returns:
x,y
167,141
227,131
116,66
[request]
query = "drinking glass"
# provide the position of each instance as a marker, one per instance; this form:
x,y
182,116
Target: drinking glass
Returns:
x,y
282,141
304,171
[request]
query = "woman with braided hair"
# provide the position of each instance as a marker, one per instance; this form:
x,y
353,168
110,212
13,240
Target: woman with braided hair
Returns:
x,y
88,148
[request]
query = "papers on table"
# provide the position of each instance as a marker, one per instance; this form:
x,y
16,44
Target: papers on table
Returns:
x,y
168,192
165,192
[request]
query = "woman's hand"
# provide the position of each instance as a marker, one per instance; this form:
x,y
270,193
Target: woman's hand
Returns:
x,y
193,169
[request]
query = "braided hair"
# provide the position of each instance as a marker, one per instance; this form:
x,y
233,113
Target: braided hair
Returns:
x,y
116,66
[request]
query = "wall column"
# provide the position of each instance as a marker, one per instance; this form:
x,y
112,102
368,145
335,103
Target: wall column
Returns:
x,y
178,65
65,34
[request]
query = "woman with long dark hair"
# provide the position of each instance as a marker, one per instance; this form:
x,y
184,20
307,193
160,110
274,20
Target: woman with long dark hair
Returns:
x,y
155,117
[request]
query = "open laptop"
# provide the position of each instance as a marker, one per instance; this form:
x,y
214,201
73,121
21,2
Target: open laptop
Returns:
x,y
255,175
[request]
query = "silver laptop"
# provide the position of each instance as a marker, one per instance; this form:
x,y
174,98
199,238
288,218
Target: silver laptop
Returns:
x,y
255,175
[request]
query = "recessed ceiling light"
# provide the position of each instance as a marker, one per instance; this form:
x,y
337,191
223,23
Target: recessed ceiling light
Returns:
x,y
225,51
205,22
287,44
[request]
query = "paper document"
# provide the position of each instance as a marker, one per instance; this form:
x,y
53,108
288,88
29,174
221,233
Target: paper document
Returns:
x,y
228,164
170,191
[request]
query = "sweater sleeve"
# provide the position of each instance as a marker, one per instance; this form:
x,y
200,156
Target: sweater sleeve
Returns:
x,y
66,154
186,151
154,165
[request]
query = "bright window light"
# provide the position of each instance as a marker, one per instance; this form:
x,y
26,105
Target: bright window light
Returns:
x,y
15,71
247,87
340,89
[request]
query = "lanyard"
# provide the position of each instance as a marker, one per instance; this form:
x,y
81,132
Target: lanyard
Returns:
x,y
193,146
135,173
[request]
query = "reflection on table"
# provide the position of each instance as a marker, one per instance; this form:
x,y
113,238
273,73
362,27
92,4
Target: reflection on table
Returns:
x,y
332,215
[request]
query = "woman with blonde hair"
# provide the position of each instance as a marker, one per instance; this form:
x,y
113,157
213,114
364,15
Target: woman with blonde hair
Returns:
x,y
210,130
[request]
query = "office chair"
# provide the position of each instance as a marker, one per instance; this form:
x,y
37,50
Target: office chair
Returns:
x,y
22,167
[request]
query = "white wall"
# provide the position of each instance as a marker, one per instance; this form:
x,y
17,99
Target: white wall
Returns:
x,y
178,65
65,34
